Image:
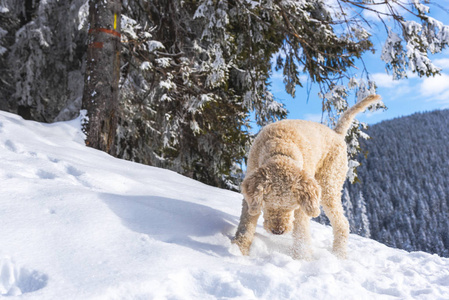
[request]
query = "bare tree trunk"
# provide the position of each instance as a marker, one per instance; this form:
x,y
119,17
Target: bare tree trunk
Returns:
x,y
100,96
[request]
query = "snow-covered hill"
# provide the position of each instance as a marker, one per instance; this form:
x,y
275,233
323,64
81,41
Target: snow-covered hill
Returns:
x,y
76,223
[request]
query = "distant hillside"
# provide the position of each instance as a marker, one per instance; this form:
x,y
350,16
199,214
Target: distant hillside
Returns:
x,y
403,197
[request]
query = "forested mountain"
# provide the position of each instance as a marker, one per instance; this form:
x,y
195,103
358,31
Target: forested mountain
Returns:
x,y
402,198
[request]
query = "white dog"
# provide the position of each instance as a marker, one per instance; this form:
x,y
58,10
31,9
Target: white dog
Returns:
x,y
293,167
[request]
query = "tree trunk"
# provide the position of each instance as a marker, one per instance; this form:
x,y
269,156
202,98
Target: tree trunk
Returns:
x,y
100,96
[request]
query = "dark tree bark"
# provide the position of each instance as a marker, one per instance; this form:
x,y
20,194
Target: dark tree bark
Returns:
x,y
100,97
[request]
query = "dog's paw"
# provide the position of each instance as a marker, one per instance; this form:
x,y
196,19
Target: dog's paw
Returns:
x,y
243,245
340,253
302,251
304,254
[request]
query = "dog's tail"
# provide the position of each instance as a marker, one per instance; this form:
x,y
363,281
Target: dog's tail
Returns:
x,y
346,119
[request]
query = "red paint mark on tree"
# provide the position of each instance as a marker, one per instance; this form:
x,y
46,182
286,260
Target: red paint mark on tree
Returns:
x,y
104,30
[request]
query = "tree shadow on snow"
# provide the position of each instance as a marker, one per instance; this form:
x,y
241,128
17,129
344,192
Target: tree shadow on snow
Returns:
x,y
187,224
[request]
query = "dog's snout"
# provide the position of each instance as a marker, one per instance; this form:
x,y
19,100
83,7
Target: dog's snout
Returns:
x,y
277,231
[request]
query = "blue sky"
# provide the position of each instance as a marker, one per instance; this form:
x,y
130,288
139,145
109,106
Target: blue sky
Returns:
x,y
402,97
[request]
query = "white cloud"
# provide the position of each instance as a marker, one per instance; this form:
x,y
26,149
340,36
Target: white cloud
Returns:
x,y
384,80
436,88
313,117
442,63
410,74
436,85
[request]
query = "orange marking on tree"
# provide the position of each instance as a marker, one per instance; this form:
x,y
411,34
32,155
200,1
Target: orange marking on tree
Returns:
x,y
104,30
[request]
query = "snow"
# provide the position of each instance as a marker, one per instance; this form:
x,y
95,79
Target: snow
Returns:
x,y
146,65
154,45
4,9
163,62
76,223
83,15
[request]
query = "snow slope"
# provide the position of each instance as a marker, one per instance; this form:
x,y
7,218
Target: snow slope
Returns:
x,y
76,223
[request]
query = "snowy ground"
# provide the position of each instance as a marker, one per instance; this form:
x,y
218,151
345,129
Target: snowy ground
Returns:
x,y
76,223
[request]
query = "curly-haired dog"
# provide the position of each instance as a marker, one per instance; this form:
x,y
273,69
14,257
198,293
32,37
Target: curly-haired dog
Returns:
x,y
293,167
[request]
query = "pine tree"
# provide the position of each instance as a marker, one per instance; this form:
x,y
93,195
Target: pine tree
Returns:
x,y
349,208
184,96
364,220
101,94
41,58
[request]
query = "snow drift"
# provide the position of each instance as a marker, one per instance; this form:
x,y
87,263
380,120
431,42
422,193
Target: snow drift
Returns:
x,y
76,223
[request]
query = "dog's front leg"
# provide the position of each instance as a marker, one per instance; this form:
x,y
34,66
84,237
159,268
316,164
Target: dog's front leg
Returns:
x,y
245,232
301,236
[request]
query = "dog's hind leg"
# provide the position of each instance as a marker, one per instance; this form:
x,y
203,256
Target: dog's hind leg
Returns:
x,y
301,236
331,181
340,228
246,229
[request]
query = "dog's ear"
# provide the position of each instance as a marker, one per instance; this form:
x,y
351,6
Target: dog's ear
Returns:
x,y
308,193
253,188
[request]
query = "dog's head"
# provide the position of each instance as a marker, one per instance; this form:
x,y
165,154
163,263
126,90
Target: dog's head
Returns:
x,y
278,188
